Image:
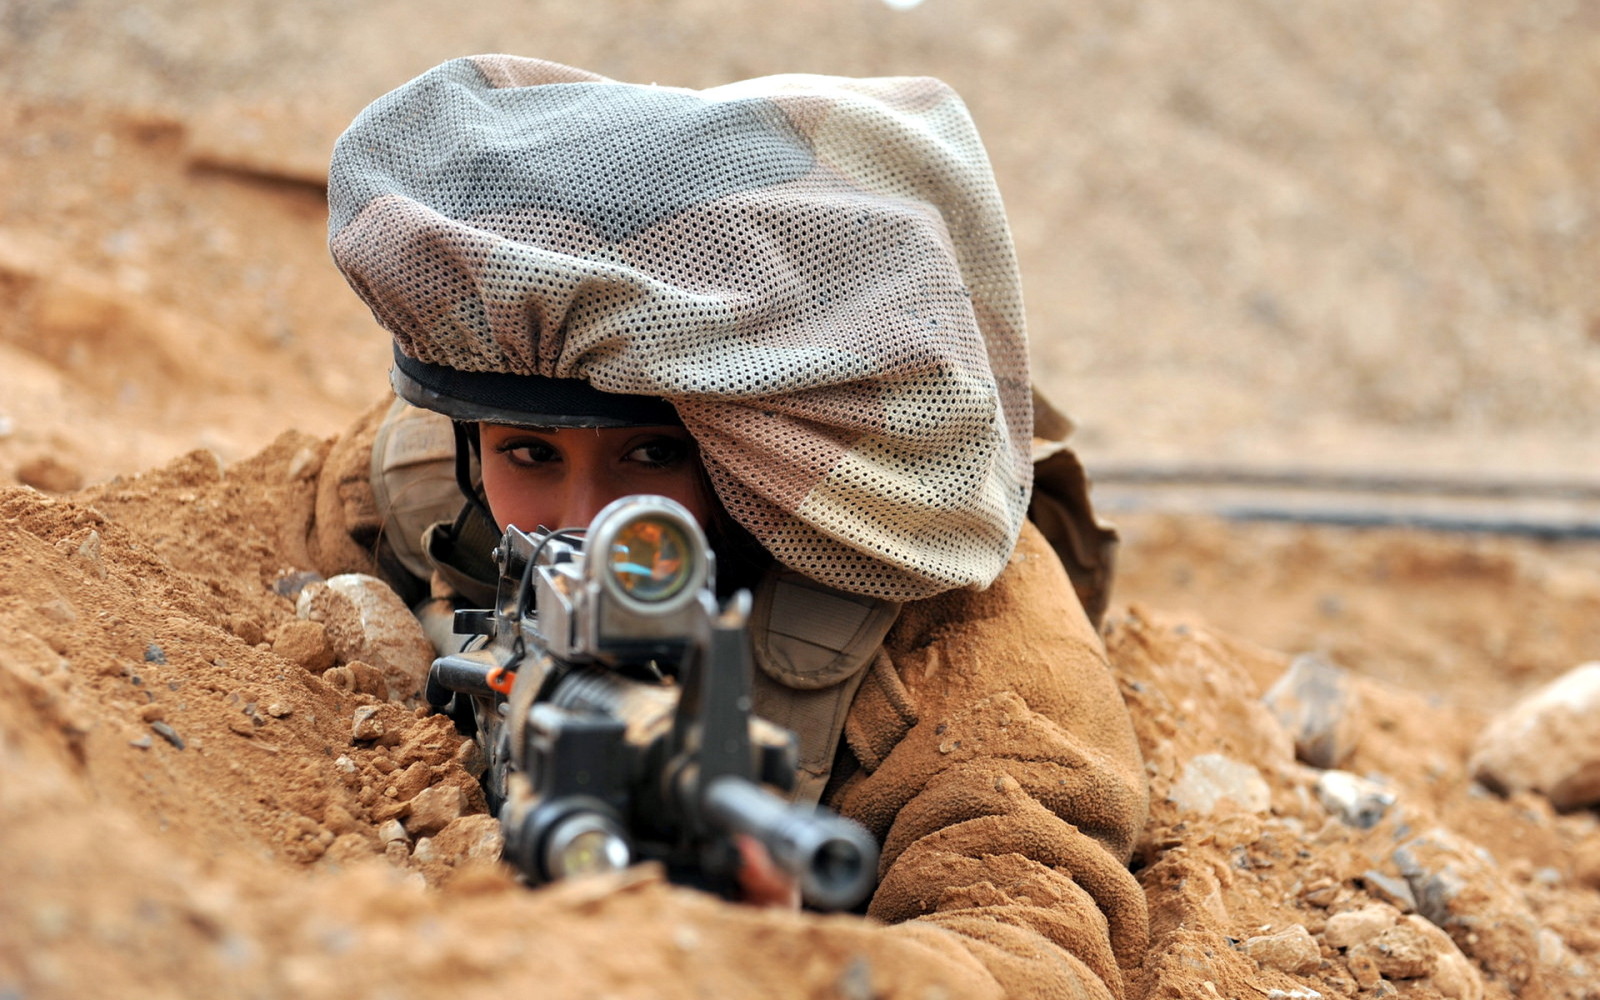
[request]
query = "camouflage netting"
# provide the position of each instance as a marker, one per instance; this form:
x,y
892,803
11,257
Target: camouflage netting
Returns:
x,y
815,271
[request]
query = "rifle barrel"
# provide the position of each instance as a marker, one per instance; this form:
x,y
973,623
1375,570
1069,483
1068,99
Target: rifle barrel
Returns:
x,y
834,859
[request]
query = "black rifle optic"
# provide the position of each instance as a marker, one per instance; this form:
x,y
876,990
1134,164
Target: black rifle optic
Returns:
x,y
611,695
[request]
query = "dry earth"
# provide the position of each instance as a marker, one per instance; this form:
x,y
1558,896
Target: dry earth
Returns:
x,y
1349,237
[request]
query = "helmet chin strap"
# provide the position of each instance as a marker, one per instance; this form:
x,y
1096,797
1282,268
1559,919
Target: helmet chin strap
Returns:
x,y
468,462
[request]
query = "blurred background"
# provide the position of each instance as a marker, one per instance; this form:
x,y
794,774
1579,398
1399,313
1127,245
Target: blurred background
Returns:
x,y
1256,233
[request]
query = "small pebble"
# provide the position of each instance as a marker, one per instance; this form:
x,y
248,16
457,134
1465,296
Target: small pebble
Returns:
x,y
434,808
1397,892
365,724
470,757
1316,703
1208,779
167,733
305,464
154,654
1291,950
392,830
1363,969
1355,800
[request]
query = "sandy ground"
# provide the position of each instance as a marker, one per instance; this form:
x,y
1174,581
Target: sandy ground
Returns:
x,y
1260,234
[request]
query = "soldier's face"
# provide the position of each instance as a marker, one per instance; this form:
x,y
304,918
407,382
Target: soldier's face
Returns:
x,y
562,477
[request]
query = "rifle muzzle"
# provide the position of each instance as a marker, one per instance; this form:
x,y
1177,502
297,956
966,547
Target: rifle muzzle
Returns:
x,y
834,860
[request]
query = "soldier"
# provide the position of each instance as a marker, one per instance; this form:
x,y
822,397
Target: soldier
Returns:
x,y
790,303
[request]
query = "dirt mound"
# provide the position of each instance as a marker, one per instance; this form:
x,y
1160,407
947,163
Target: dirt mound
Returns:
x,y
193,799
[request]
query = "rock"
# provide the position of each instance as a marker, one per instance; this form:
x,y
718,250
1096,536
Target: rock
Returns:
x,y
1363,969
366,621
470,758
392,830
365,724
1357,801
1401,952
87,551
1397,892
434,808
305,643
167,733
1323,892
1352,927
476,839
1317,704
1452,974
408,783
1210,778
1457,978
356,677
1290,950
305,464
1549,742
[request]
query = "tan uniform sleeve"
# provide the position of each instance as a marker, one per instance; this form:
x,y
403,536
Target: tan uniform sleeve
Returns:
x,y
1000,769
352,525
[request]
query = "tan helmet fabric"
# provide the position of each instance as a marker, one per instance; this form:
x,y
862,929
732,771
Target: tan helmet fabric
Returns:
x,y
815,271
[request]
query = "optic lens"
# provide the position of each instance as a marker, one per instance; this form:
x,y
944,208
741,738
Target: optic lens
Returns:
x,y
585,843
593,852
651,559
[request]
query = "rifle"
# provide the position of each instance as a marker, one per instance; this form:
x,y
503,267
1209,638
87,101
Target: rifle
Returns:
x,y
610,693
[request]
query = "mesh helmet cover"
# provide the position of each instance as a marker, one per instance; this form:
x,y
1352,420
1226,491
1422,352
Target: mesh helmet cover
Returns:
x,y
816,272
